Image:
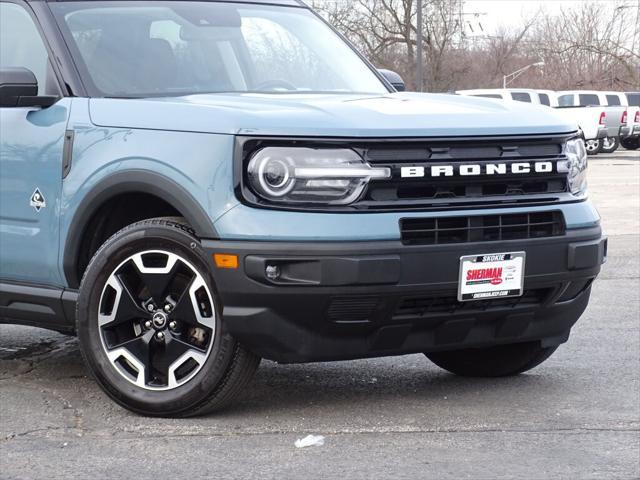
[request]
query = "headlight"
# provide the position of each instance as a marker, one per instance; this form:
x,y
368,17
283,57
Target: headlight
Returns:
x,y
309,175
575,166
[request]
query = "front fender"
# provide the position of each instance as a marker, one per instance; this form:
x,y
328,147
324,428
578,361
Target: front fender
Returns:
x,y
190,171
130,181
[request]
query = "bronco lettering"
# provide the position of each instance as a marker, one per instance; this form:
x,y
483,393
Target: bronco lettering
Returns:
x,y
477,169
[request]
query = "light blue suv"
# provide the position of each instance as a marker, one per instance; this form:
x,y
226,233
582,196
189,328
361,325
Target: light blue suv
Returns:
x,y
191,186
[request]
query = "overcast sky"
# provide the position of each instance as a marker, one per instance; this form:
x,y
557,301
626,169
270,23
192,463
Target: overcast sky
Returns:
x,y
510,12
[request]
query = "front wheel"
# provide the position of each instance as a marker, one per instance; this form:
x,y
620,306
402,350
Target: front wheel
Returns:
x,y
593,146
610,144
498,361
149,324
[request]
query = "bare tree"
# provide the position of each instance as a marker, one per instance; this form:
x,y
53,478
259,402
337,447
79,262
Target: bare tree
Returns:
x,y
592,45
385,31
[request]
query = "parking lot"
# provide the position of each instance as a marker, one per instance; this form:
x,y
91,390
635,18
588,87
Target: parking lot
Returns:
x,y
575,416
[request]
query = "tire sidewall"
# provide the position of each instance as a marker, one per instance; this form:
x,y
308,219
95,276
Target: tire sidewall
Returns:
x,y
148,235
614,143
630,143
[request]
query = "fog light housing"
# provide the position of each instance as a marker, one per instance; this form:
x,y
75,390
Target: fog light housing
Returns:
x,y
272,272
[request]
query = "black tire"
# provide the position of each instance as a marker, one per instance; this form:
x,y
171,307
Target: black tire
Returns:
x,y
609,144
593,147
630,143
498,361
222,371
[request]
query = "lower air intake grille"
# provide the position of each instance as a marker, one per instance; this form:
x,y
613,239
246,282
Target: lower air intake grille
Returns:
x,y
422,307
483,228
352,309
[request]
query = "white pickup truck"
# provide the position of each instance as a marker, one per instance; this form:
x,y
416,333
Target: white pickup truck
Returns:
x,y
591,121
614,104
630,129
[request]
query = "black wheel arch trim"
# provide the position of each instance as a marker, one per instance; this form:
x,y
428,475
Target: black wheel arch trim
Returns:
x,y
130,181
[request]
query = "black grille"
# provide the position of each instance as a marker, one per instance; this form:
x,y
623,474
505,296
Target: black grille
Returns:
x,y
463,150
389,193
452,189
352,309
423,307
439,192
481,228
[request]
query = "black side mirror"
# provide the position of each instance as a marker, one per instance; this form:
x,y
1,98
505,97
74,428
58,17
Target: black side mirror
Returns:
x,y
394,79
19,88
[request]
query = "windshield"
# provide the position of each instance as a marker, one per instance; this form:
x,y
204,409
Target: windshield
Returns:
x,y
139,48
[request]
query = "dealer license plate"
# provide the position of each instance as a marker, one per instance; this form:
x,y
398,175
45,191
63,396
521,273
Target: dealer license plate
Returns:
x,y
491,275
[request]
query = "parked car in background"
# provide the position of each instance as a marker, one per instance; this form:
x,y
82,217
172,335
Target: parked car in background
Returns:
x,y
630,130
614,104
547,97
517,94
591,121
629,120
592,124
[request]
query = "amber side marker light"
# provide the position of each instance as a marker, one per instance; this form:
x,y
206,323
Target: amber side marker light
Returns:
x,y
225,260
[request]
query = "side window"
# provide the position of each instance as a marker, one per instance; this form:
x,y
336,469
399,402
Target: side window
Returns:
x,y
588,99
487,95
566,100
521,97
634,99
544,99
21,44
612,100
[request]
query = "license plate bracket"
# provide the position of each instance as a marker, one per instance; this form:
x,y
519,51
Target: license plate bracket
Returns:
x,y
491,275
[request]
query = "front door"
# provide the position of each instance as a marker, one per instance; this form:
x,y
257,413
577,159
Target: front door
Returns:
x,y
31,145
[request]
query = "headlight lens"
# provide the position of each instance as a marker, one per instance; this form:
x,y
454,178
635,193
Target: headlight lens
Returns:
x,y
575,166
309,175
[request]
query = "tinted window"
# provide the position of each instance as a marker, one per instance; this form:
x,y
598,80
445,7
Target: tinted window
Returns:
x,y
566,100
544,99
521,97
164,48
634,99
612,100
21,44
588,99
487,95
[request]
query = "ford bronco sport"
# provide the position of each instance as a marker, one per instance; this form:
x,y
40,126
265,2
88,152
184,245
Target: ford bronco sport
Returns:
x,y
190,186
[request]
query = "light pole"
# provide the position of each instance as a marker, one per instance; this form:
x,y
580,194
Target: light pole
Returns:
x,y
419,65
512,76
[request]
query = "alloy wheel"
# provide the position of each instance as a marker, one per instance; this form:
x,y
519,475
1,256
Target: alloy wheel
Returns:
x,y
156,320
592,145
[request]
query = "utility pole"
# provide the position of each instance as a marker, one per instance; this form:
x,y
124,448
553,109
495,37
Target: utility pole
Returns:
x,y
420,60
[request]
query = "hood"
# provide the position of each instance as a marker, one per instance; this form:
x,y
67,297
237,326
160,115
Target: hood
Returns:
x,y
392,115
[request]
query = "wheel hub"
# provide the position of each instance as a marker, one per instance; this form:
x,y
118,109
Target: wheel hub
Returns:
x,y
159,320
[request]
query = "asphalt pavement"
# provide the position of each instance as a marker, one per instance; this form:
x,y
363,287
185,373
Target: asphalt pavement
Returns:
x,y
577,416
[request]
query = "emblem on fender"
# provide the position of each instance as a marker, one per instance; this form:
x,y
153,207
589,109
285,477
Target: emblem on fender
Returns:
x,y
37,200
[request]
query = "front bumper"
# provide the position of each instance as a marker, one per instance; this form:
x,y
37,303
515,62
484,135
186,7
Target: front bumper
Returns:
x,y
345,300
